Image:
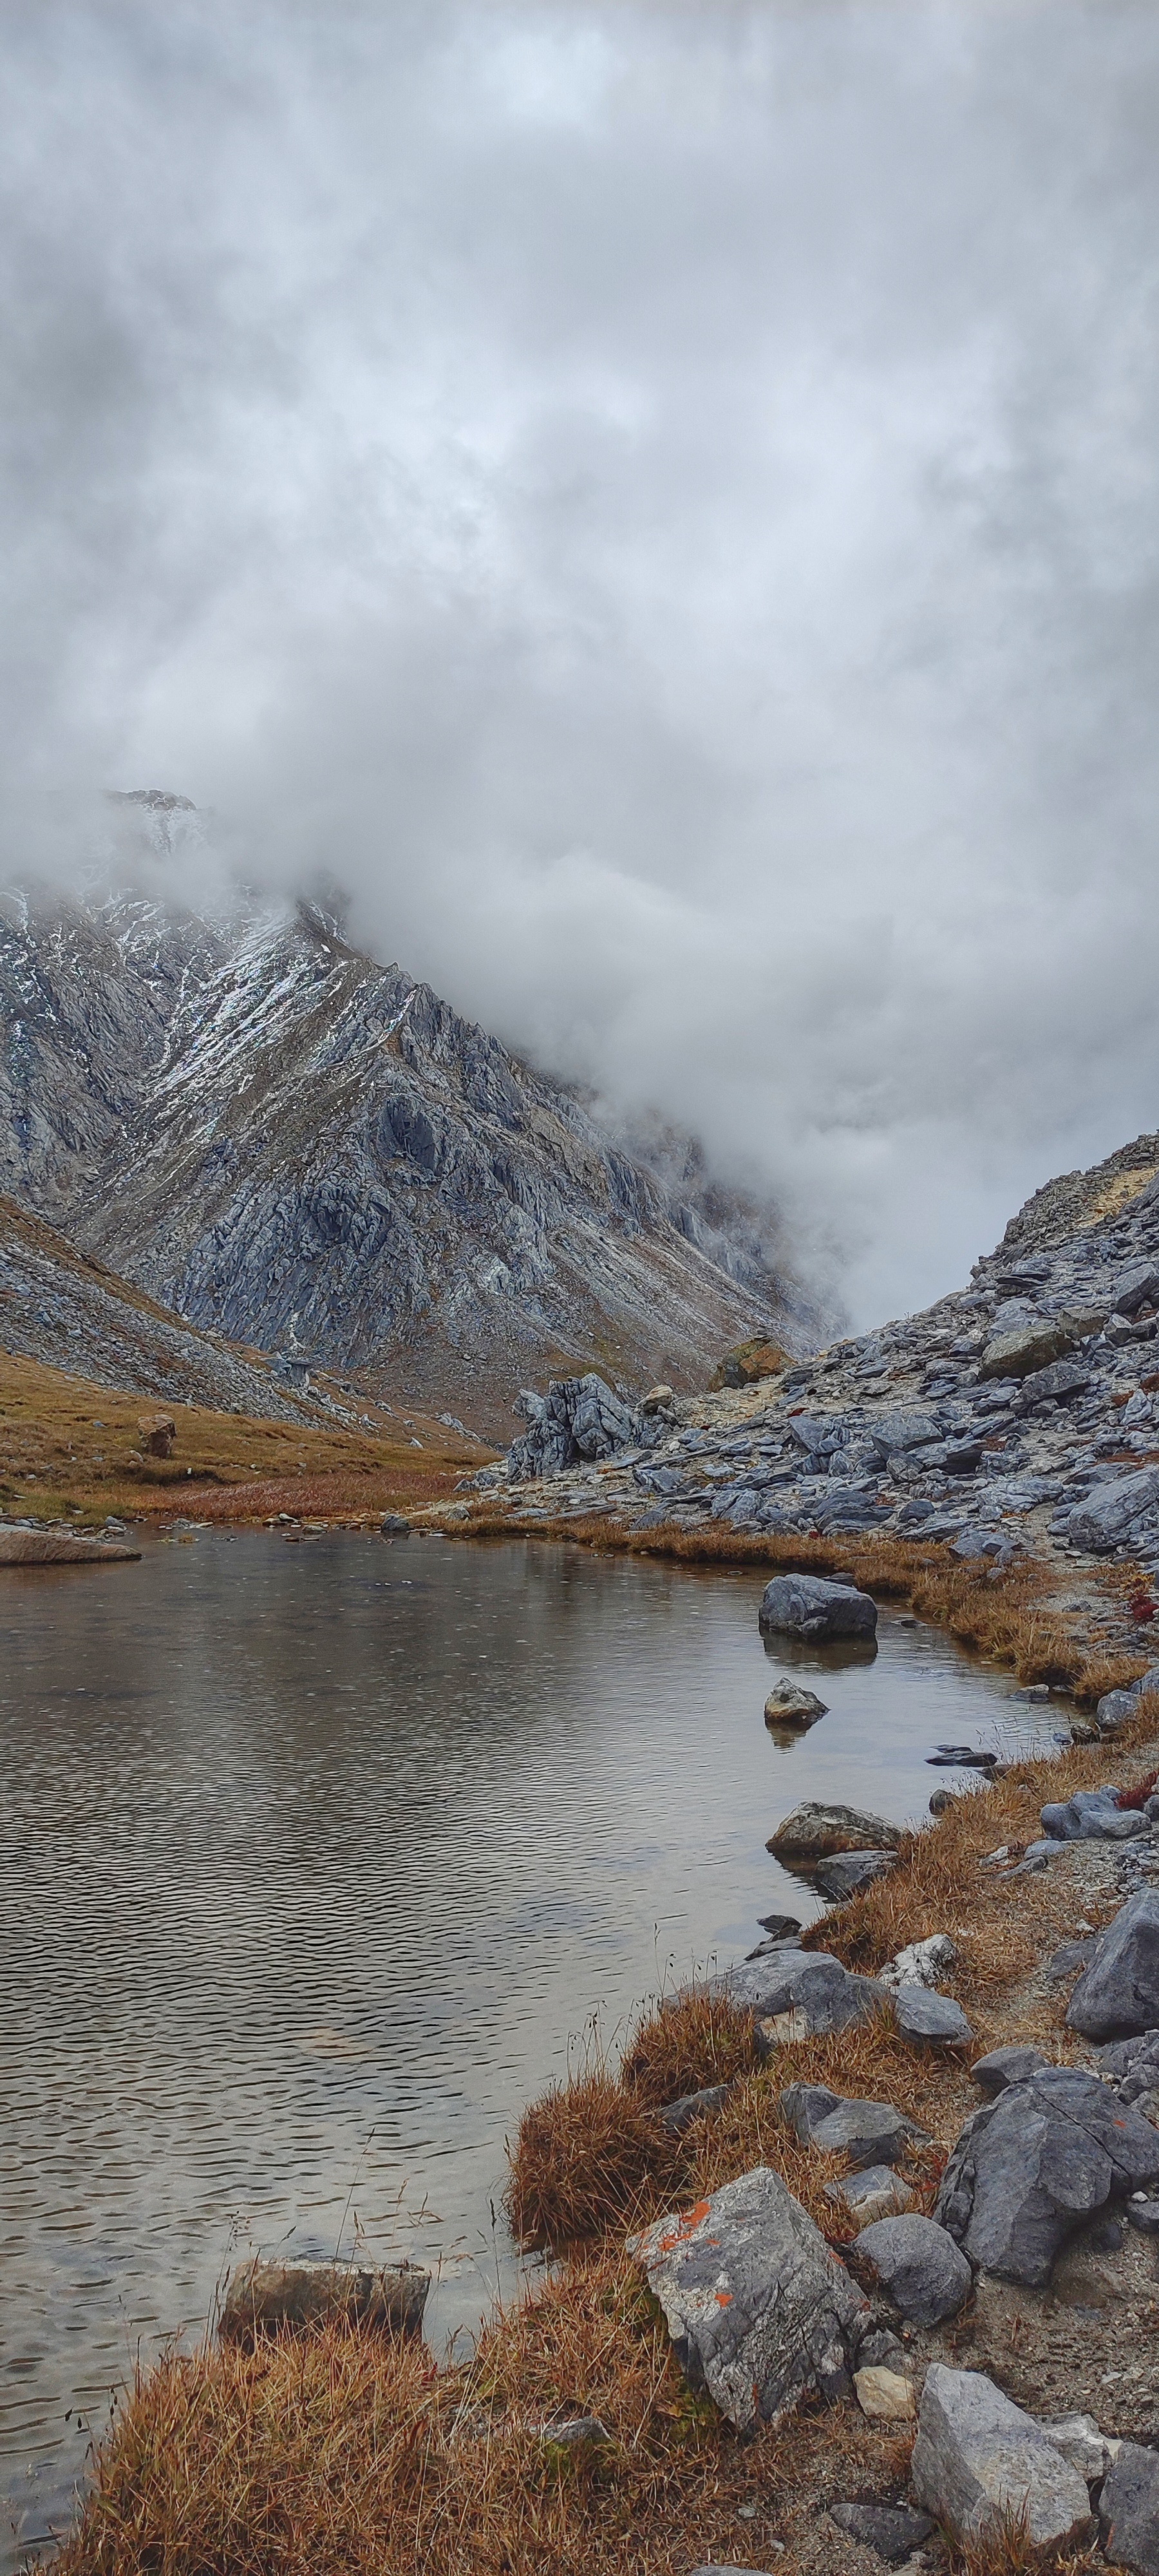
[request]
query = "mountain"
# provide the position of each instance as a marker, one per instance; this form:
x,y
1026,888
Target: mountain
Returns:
x,y
277,1136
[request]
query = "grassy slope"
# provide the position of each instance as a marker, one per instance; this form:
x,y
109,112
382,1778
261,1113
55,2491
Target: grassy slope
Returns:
x,y
68,1447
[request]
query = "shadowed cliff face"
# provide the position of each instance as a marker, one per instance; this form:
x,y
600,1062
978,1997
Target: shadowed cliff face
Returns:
x,y
278,1136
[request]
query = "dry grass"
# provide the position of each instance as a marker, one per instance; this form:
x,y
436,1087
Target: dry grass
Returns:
x,y
71,1448
686,2042
344,2455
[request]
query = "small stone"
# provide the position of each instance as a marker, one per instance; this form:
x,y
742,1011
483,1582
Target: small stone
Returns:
x,y
788,1704
980,2462
575,2433
780,1927
1129,2510
1143,2215
394,1525
885,2396
1080,2441
930,2020
679,2115
866,2132
876,2192
1005,2066
923,2273
892,2530
921,1963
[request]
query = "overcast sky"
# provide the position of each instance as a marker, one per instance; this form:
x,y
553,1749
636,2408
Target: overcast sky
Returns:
x,y
661,501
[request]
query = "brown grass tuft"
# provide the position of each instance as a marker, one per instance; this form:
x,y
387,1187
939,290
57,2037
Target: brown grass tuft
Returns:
x,y
583,2159
1107,1673
685,2043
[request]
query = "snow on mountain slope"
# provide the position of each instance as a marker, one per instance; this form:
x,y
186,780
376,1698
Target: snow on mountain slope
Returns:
x,y
279,1137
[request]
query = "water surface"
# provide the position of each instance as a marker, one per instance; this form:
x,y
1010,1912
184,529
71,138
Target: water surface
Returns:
x,y
313,1859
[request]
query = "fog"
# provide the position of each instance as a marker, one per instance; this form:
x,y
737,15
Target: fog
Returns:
x,y
660,502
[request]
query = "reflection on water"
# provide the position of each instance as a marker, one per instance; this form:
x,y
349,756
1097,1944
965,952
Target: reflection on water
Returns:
x,y
313,1858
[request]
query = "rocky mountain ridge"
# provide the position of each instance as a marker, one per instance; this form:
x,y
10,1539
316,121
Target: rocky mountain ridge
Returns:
x,y
276,1136
1019,1412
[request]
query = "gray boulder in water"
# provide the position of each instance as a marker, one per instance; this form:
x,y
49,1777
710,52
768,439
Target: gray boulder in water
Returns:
x,y
759,2311
804,1605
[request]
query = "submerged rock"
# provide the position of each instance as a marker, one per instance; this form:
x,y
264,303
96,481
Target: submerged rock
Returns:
x,y
263,2297
789,1705
846,1873
813,1830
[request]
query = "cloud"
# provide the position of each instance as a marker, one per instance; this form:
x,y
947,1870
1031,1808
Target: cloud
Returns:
x,y
661,500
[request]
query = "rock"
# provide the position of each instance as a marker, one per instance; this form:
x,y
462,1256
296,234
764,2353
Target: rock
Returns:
x,y
655,1398
1066,1961
395,1525
1032,2166
804,1605
979,2462
749,1362
1057,1383
813,1831
875,2192
921,2270
1143,2215
1080,2441
1115,1709
61,1547
1030,1347
845,1873
789,1705
942,1800
884,2395
1129,2509
1005,2066
807,1987
932,2021
1093,1815
1118,1995
758,2309
1106,1515
679,2115
866,2132
158,1432
921,1963
574,2433
263,2296
781,1927
1135,1288
891,2530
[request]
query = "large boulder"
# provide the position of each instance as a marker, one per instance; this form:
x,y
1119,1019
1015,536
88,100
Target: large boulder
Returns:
x,y
1093,1815
1129,2509
1105,1517
806,1991
759,2310
1032,2166
1028,1347
579,1417
917,2264
805,1605
270,2297
979,2462
1117,1997
61,1547
814,1829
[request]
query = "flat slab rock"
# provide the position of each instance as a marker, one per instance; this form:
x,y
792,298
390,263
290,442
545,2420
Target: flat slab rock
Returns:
x,y
1032,2166
892,2530
263,2297
979,2460
759,2310
805,1605
813,1830
62,1547
930,2020
1117,1996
